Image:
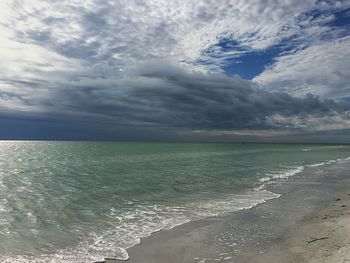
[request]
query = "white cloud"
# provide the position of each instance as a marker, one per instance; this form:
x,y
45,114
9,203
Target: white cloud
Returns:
x,y
152,28
148,29
319,69
28,71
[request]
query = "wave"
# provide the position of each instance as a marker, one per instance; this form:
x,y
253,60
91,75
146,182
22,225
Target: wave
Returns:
x,y
305,150
339,160
291,171
282,175
317,164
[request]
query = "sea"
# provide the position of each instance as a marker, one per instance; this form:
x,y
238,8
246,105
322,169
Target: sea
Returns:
x,y
88,201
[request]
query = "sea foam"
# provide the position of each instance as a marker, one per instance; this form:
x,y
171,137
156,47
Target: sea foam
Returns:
x,y
142,222
283,174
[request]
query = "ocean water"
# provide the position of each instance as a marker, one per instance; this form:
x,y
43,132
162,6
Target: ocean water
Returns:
x,y
86,201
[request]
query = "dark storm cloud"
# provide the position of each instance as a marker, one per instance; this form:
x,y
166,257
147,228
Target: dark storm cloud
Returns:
x,y
8,96
162,95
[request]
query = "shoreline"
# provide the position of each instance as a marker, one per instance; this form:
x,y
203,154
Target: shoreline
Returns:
x,y
294,236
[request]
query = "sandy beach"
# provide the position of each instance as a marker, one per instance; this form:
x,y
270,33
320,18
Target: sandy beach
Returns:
x,y
322,237
310,222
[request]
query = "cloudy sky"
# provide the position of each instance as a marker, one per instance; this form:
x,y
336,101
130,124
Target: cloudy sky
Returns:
x,y
175,70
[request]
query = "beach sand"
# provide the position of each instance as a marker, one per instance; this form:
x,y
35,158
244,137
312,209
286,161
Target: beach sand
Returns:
x,y
322,237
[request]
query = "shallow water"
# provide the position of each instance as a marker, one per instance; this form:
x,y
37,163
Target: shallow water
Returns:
x,y
85,201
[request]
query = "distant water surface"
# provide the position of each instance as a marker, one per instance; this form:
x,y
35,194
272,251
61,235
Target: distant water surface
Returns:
x,y
86,201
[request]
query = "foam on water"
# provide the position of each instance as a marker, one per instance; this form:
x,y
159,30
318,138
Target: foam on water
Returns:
x,y
282,175
291,171
142,222
339,160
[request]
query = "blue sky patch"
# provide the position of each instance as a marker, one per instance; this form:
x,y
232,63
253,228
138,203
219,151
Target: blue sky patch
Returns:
x,y
249,63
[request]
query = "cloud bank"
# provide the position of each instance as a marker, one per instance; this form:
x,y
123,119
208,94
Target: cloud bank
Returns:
x,y
162,96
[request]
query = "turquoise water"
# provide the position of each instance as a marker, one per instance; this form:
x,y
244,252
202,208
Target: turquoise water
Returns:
x,y
85,201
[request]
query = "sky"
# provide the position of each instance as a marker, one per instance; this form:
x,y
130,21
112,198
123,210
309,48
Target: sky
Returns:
x,y
158,70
